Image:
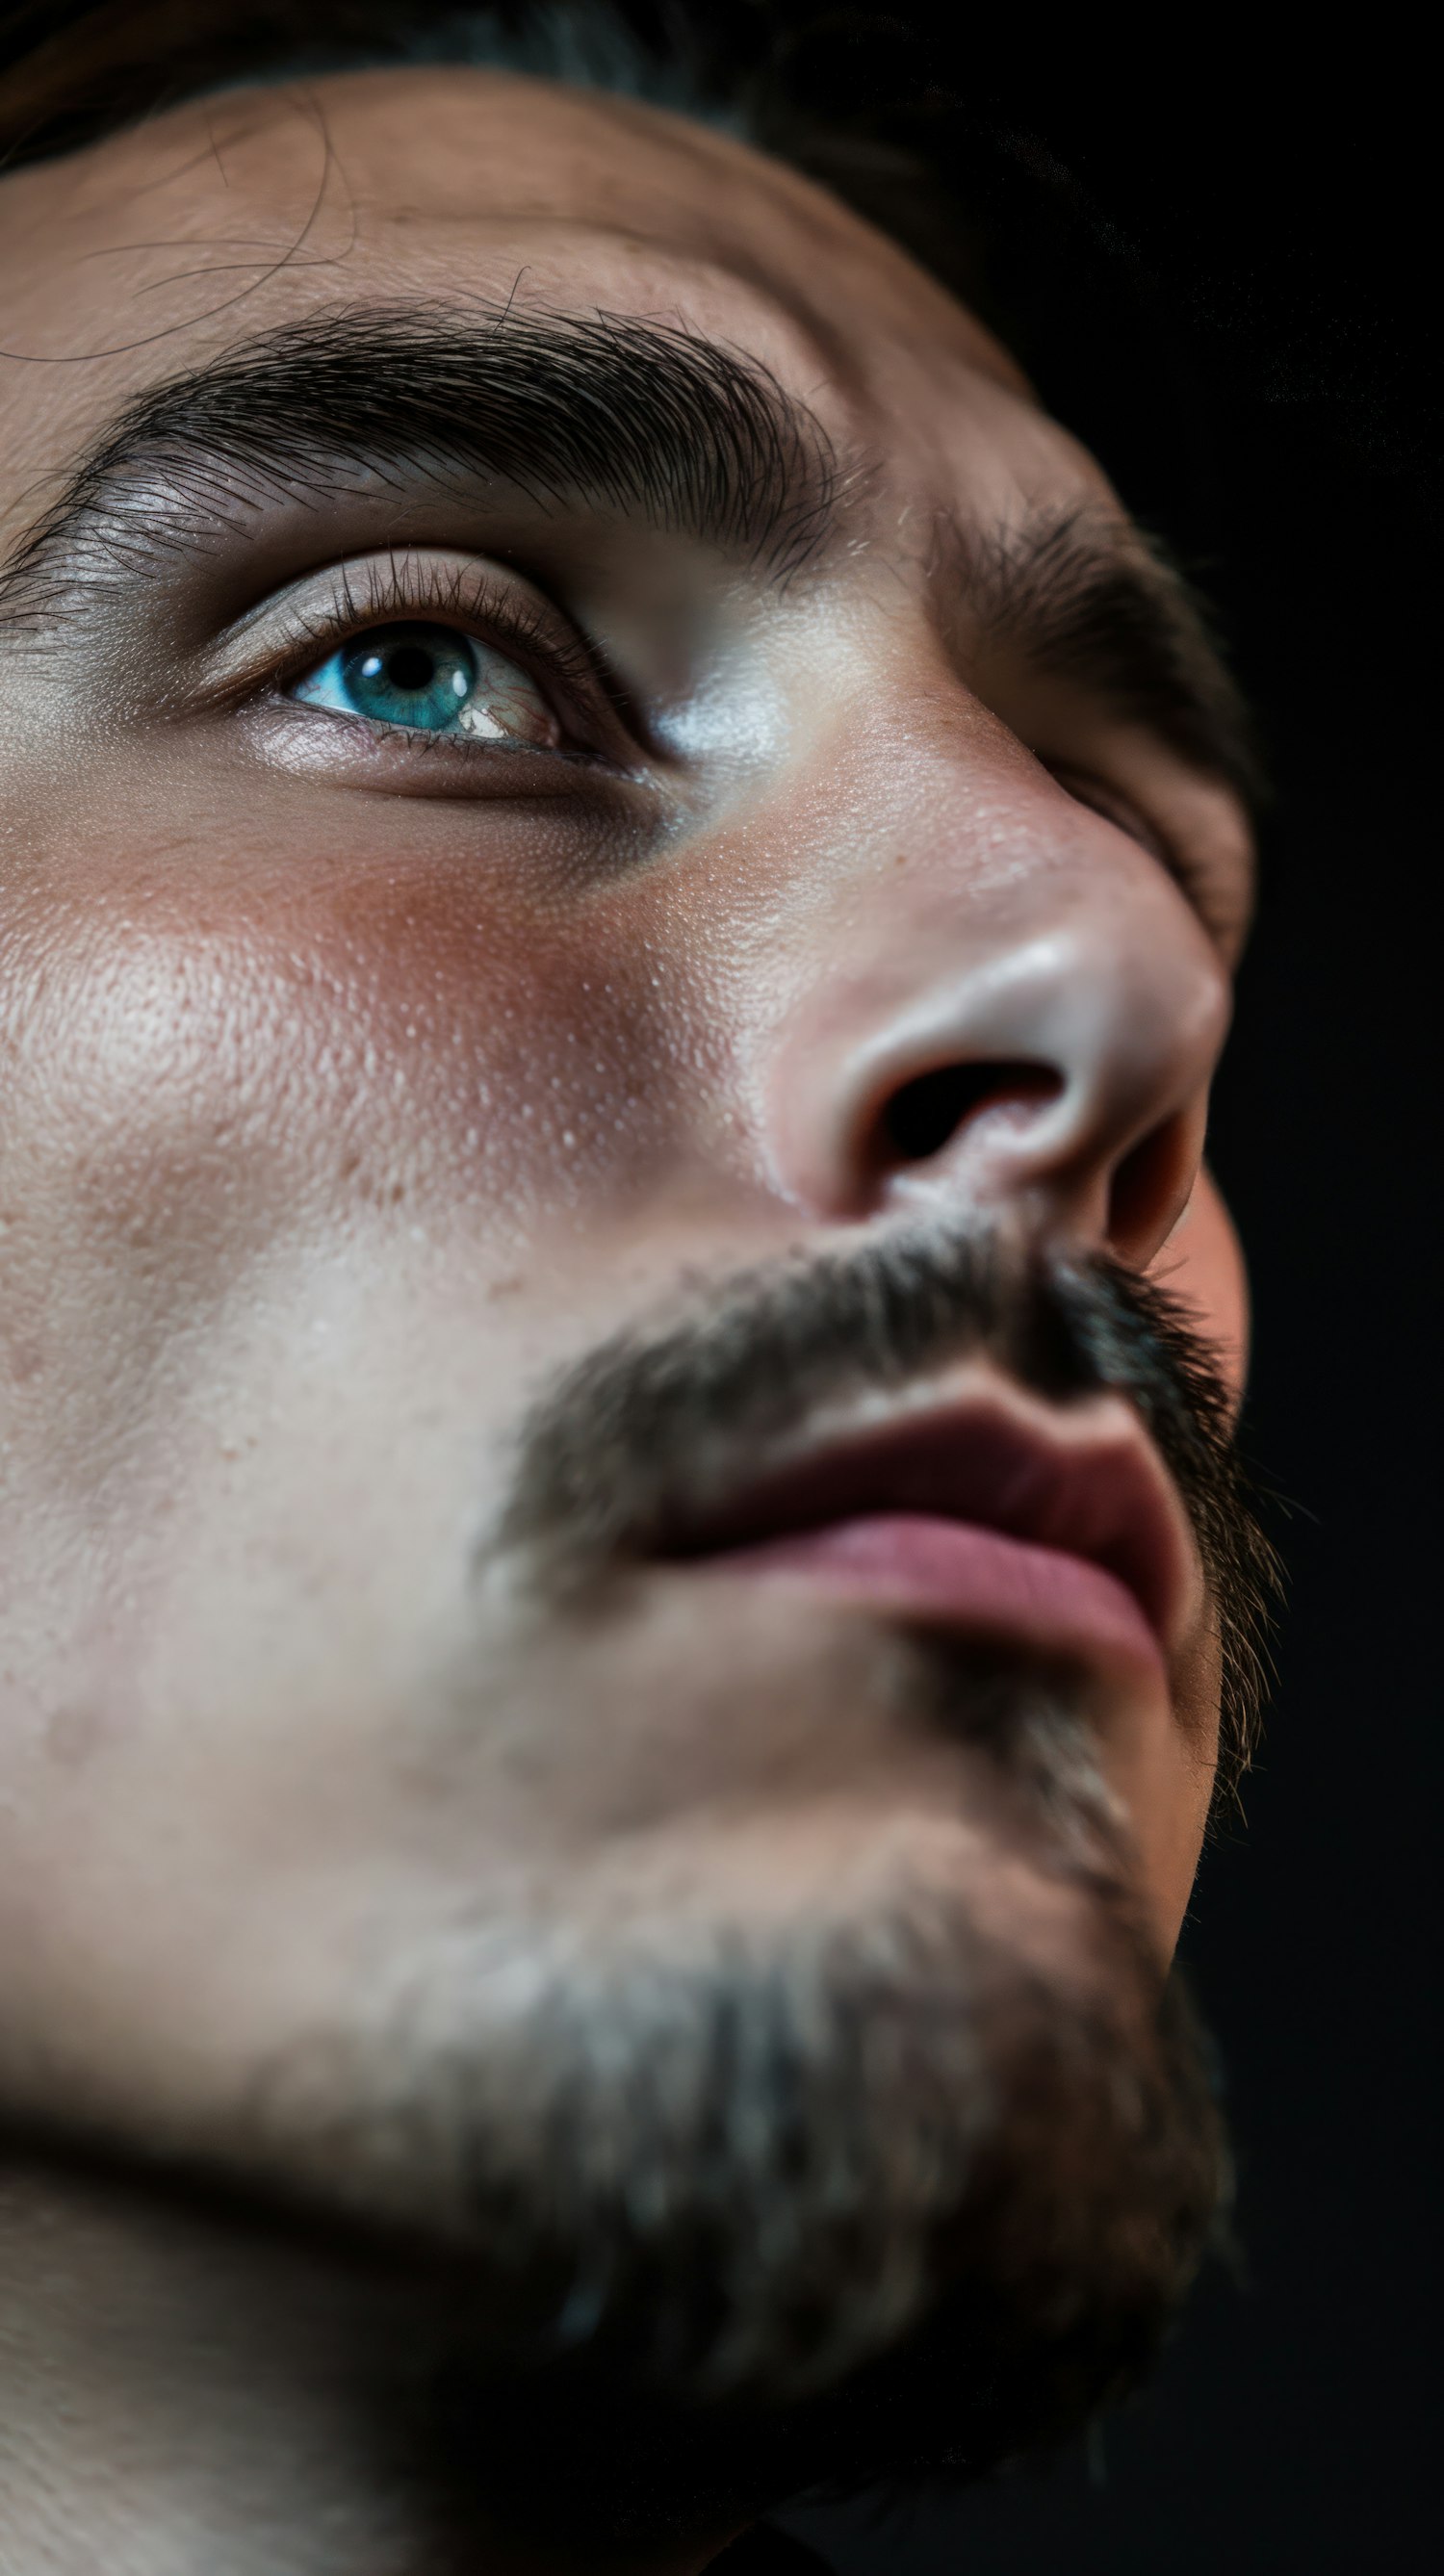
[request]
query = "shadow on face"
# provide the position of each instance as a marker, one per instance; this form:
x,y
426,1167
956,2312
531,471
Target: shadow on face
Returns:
x,y
574,742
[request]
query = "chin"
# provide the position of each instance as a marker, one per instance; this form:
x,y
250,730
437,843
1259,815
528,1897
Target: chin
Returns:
x,y
903,2212
906,2168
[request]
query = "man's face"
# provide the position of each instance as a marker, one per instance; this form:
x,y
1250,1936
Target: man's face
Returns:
x,y
593,797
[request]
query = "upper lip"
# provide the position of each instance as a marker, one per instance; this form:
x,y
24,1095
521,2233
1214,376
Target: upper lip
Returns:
x,y
1091,1485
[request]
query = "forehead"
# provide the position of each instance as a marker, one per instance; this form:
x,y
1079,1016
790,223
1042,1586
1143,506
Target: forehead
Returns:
x,y
161,248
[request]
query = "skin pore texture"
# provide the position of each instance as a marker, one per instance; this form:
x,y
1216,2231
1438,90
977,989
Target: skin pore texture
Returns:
x,y
363,1832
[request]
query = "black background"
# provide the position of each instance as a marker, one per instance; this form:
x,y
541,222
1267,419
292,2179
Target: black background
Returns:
x,y
1217,264
1225,283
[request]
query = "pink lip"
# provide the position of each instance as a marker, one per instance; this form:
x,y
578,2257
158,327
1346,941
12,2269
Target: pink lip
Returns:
x,y
989,1515
958,1574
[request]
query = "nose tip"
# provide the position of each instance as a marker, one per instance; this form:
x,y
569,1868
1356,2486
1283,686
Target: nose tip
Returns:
x,y
1067,1077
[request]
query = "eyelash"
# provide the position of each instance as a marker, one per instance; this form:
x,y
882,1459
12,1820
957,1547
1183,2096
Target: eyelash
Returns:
x,y
479,605
1120,810
566,668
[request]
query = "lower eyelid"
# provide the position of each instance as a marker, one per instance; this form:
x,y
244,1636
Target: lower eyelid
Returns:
x,y
344,755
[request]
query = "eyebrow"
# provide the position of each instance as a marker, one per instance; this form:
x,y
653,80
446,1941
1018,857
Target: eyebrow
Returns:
x,y
639,416
1088,596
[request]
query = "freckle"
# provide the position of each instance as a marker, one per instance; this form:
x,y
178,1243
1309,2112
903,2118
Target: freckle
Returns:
x,y
901,860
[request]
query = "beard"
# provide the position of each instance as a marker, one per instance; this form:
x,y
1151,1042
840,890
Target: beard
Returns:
x,y
903,2183
909,2180
715,2192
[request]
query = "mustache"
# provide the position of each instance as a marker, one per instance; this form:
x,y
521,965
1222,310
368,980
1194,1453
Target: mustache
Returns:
x,y
659,1420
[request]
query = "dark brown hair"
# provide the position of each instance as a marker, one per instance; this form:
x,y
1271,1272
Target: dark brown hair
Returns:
x,y
829,91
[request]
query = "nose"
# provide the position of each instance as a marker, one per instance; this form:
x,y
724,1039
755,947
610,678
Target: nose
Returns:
x,y
1045,1052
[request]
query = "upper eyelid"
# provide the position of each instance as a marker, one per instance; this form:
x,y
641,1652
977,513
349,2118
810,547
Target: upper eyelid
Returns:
x,y
358,591
1190,877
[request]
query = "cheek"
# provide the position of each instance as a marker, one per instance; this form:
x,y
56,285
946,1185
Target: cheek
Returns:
x,y
210,1068
1202,1265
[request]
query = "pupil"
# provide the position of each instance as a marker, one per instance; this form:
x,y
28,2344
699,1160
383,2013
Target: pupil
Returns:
x,y
411,667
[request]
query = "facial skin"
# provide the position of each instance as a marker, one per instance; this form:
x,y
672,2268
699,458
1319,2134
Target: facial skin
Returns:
x,y
360,1085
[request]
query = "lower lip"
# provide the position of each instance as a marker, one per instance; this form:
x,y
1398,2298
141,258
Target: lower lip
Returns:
x,y
960,1575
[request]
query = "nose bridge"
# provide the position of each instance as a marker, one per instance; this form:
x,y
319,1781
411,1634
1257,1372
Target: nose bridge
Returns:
x,y
1039,1035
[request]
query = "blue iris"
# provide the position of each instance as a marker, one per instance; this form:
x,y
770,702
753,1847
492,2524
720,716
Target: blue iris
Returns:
x,y
411,674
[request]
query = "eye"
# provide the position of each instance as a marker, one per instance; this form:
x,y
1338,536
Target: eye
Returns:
x,y
431,678
1115,808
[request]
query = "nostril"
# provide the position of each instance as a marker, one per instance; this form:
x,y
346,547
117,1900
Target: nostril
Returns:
x,y
927,1113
